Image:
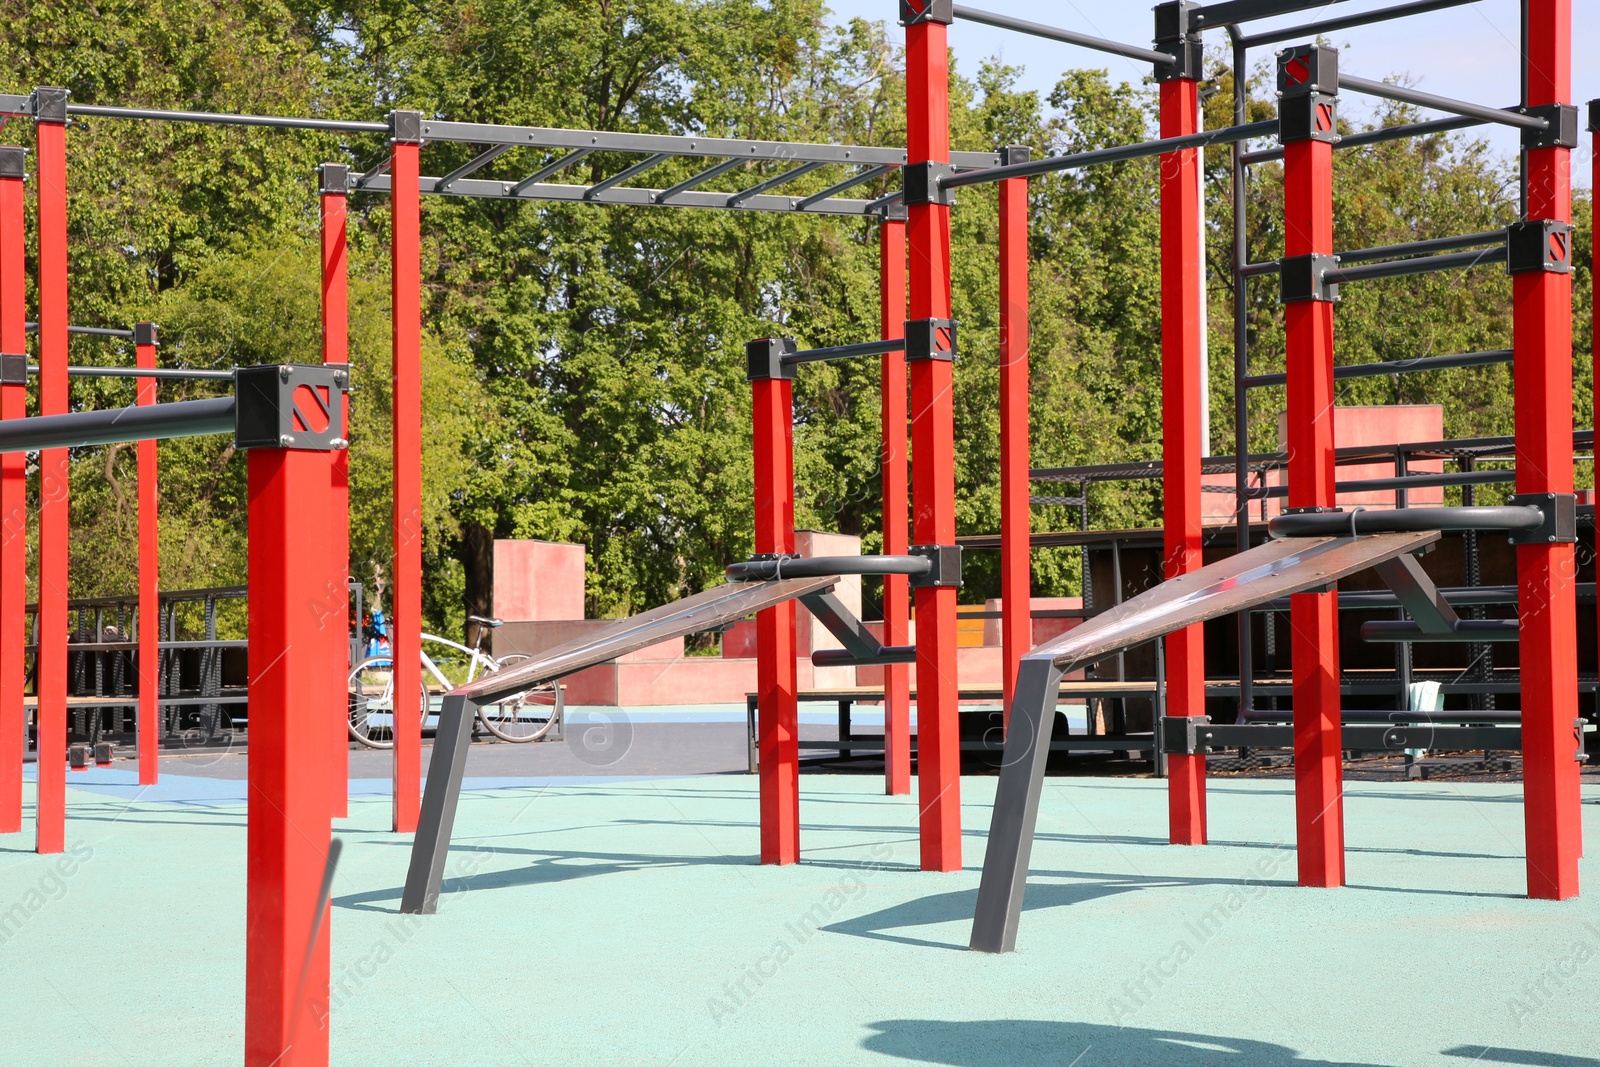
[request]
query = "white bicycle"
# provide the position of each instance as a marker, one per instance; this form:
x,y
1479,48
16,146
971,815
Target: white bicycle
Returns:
x,y
524,717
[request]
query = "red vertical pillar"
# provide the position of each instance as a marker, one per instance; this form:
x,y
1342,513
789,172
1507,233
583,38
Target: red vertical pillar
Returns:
x,y
778,725
406,597
149,722
896,590
50,118
335,182
1540,256
286,939
930,351
1182,386
1016,523
1308,84
13,484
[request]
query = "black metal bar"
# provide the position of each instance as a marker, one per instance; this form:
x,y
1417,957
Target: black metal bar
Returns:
x,y
553,167
865,348
1409,248
1235,11
1293,33
627,172
1225,135
772,183
173,373
1405,520
92,331
766,570
220,119
1378,136
1413,481
699,179
1034,29
1395,366
1462,631
1241,364
1400,268
477,162
185,418
1442,103
849,183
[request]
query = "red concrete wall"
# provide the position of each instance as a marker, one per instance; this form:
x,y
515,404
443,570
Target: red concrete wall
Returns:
x,y
537,581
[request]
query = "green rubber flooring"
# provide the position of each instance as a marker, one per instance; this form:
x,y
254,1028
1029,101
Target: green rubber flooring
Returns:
x,y
627,923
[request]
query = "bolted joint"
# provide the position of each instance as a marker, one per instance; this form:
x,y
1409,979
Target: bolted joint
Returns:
x,y
1562,131
14,162
405,127
13,368
1303,278
1178,34
1307,69
895,211
931,339
50,105
1013,154
1308,117
1185,735
1560,525
946,569
921,183
765,359
1313,509
915,11
297,405
146,333
333,178
1539,246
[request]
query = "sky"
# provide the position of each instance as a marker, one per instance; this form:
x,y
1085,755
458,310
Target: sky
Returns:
x,y
1467,52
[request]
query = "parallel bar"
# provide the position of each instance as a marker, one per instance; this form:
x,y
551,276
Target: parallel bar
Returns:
x,y
477,162
1400,268
865,348
1034,29
1378,136
1292,33
896,505
1050,165
1182,383
90,331
553,167
154,373
1442,103
1395,366
80,429
55,473
839,187
148,723
623,175
699,179
221,119
772,183
13,495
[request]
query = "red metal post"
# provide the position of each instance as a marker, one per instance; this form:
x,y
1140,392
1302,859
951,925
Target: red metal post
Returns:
x,y
1307,78
13,485
778,725
286,970
1016,523
1182,386
933,519
406,596
1547,598
896,590
334,178
149,721
50,116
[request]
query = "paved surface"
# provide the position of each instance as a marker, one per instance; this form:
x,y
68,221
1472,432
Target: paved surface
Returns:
x,y
607,921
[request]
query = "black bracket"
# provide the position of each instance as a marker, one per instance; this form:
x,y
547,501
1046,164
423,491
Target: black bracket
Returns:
x,y
1308,69
895,211
915,11
1184,735
1539,246
946,569
1306,278
764,359
1310,117
296,405
1562,131
1015,153
1594,116
1177,35
921,183
146,333
931,339
13,162
50,105
405,127
333,178
13,368
1560,511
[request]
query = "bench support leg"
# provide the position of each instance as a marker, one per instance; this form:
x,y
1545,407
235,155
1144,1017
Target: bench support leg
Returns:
x,y
446,770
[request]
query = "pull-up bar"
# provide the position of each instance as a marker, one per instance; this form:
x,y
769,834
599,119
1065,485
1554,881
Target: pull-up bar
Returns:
x,y
1409,248
865,348
1293,33
1034,29
93,331
1442,103
80,429
1399,268
166,373
1378,136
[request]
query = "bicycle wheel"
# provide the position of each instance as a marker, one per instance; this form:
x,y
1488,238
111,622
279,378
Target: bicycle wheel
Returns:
x,y
370,697
526,716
